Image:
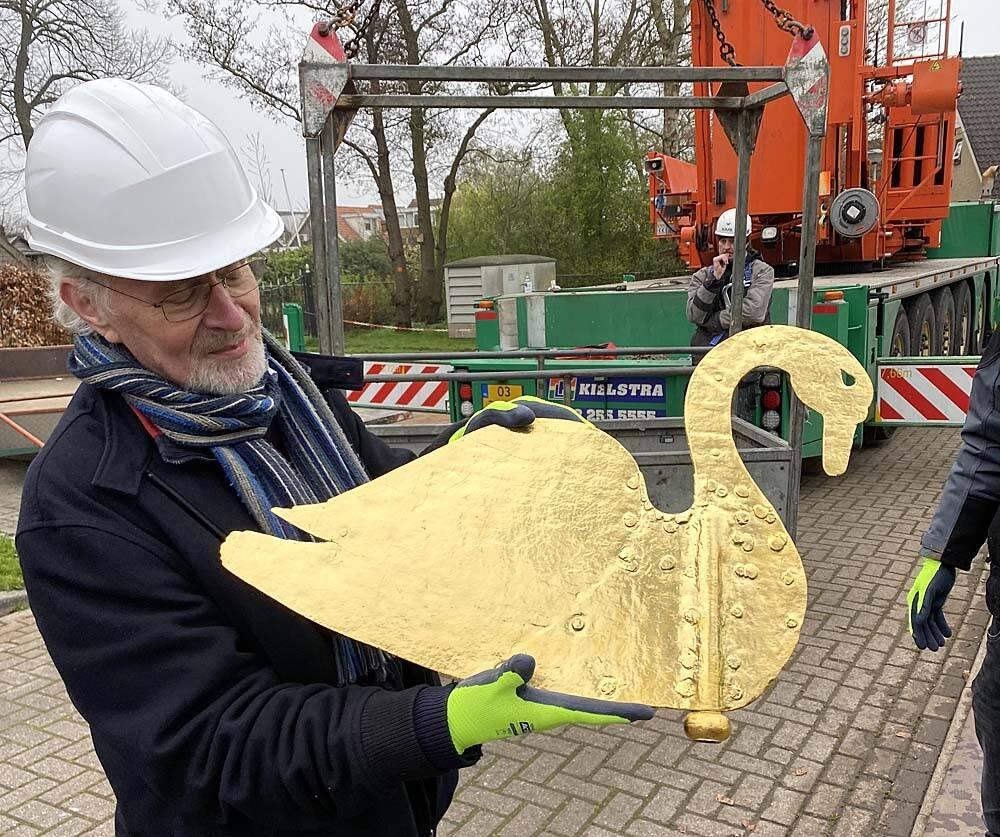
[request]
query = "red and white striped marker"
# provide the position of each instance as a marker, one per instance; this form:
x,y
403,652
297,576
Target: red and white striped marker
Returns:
x,y
424,395
927,395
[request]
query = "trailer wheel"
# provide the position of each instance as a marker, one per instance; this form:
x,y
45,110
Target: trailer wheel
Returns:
x,y
964,343
944,318
899,346
923,329
899,343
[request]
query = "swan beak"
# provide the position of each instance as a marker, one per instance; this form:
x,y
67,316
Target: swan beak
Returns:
x,y
838,439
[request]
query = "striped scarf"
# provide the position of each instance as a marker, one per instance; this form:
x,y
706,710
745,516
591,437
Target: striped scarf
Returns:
x,y
321,462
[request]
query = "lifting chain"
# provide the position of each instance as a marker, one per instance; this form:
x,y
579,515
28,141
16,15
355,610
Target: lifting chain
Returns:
x,y
726,50
347,16
787,23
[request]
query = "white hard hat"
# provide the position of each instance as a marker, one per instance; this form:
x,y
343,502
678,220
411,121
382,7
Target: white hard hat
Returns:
x,y
726,225
127,180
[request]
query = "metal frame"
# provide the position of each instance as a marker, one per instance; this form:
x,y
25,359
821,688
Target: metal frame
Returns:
x,y
330,98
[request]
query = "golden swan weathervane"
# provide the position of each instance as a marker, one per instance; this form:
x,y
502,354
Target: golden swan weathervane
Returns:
x,y
545,542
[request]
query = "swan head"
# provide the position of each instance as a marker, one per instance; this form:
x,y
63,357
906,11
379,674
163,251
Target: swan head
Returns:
x,y
830,380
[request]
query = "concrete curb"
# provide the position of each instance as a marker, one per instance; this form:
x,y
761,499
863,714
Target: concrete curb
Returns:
x,y
12,600
951,741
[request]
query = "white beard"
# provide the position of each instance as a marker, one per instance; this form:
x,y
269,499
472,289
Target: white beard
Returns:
x,y
220,376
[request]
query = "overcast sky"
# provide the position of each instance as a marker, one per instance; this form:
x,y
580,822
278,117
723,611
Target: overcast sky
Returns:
x,y
284,144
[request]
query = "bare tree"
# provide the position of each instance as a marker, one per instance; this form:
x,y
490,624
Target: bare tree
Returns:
x,y
258,166
224,36
47,46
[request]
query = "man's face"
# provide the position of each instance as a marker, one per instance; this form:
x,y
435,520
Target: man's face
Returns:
x,y
725,246
220,351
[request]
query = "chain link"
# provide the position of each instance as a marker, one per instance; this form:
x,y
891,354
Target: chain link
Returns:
x,y
347,16
787,23
726,50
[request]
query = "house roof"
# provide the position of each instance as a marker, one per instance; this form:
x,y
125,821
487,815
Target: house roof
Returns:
x,y
979,106
346,231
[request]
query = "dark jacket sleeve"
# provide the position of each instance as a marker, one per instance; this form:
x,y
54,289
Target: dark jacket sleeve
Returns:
x,y
971,495
154,667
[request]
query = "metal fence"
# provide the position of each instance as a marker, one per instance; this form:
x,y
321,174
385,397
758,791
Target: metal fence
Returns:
x,y
274,297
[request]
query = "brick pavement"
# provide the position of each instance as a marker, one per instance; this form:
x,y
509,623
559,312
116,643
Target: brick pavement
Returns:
x,y
843,745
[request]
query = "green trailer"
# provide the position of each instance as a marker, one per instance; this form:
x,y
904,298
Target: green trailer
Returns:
x,y
922,309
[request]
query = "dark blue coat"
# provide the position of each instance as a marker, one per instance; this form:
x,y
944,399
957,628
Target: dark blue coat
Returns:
x,y
210,705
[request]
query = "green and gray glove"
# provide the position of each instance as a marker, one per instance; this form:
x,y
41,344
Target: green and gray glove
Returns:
x,y
925,601
499,704
516,415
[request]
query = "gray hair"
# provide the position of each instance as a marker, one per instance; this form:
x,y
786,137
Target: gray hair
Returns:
x,y
61,272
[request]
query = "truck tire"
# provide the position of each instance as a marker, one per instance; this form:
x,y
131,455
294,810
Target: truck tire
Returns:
x,y
899,343
899,346
965,329
944,319
923,329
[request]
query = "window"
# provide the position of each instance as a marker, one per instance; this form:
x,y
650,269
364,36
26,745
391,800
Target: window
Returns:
x,y
959,147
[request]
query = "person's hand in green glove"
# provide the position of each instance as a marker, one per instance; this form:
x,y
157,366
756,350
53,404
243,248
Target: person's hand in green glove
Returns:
x,y
925,601
516,415
499,704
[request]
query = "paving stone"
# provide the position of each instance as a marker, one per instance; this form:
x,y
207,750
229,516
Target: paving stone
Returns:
x,y
617,811
571,819
529,820
784,806
815,757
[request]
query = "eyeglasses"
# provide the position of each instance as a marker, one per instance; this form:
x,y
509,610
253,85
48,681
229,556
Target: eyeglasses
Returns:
x,y
192,300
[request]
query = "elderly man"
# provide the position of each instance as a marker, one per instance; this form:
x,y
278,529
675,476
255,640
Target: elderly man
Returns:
x,y
214,710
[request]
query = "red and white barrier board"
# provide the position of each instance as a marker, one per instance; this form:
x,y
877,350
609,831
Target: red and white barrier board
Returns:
x,y
431,396
918,394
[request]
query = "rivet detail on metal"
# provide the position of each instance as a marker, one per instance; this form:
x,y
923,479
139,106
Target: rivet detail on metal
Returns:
x,y
691,616
669,526
683,517
577,623
749,571
736,612
777,542
760,512
791,622
633,482
667,563
690,571
771,518
742,491
685,687
630,519
735,692
743,518
748,543
733,662
711,485
788,577
689,659
607,686
722,491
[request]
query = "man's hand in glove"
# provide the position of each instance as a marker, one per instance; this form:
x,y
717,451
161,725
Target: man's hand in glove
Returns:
x,y
927,596
516,414
499,704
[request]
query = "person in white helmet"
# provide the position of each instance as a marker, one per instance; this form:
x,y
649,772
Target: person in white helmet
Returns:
x,y
213,709
710,288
